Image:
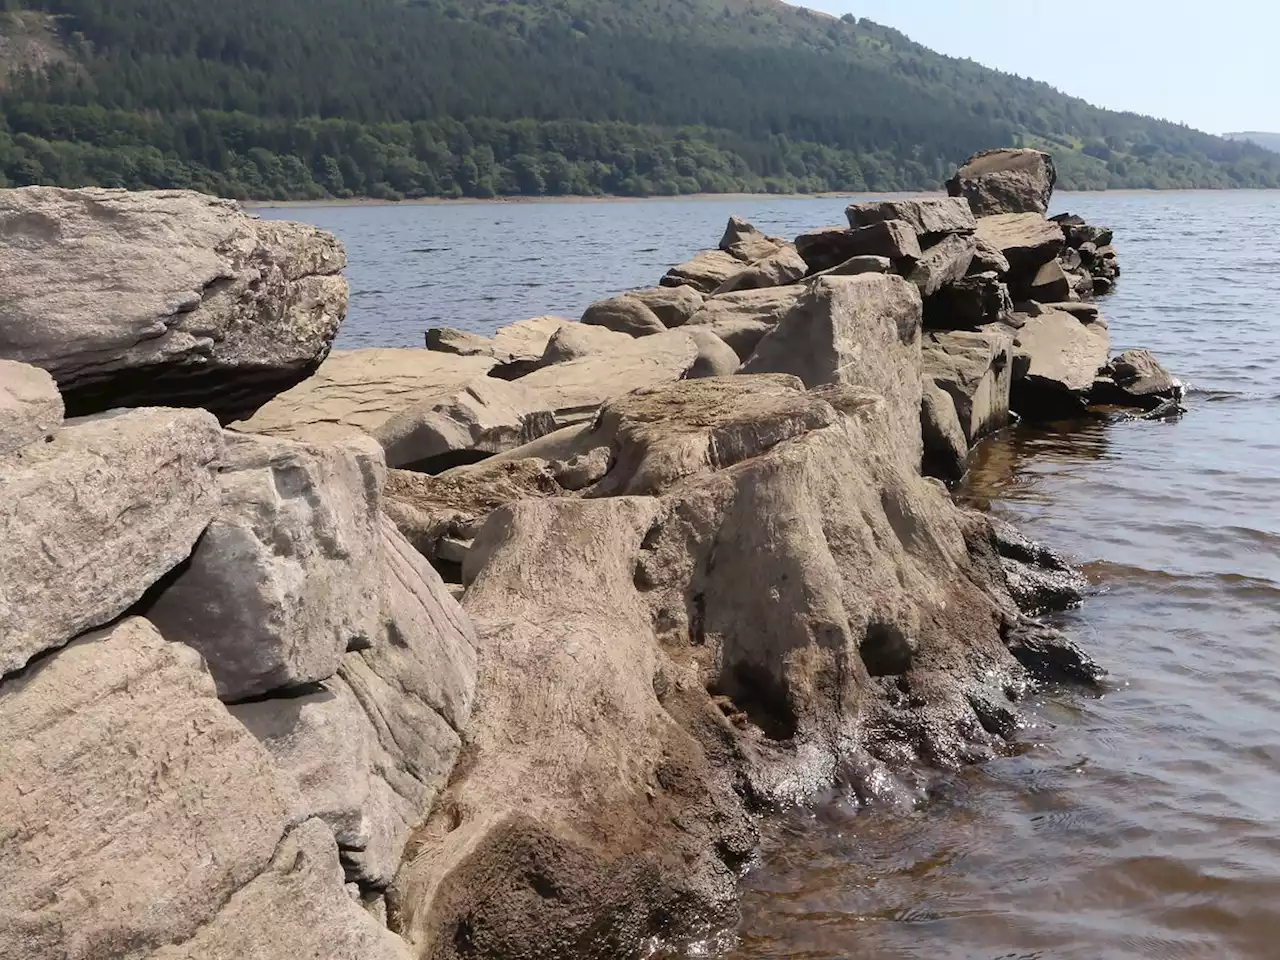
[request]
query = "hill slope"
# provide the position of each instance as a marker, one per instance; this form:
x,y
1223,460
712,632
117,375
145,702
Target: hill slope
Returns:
x,y
1269,140
312,98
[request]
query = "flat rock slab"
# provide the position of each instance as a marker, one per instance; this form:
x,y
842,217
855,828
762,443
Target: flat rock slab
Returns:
x,y
91,520
164,298
283,581
30,405
1065,357
516,342
1026,240
360,390
928,218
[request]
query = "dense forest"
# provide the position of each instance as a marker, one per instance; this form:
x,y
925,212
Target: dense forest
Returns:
x,y
478,98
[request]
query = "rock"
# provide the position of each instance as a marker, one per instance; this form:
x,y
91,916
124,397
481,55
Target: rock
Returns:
x,y
484,417
90,520
745,243
742,319
947,261
976,370
1038,579
753,660
166,297
863,331
357,391
830,247
1050,284
1026,240
715,357
624,314
969,302
30,406
1005,181
582,470
986,258
931,219
1051,657
780,268
1084,312
1079,233
576,340
119,762
1065,356
946,448
1136,378
706,271
672,305
856,266
515,343
282,582
296,907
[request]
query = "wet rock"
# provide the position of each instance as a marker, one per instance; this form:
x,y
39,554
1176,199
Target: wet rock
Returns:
x,y
830,247
976,370
1027,240
1039,580
1050,656
30,406
946,262
946,448
742,319
780,268
624,314
357,391
1136,378
672,305
282,581
745,243
164,298
969,302
1005,181
1065,356
90,520
705,272
930,219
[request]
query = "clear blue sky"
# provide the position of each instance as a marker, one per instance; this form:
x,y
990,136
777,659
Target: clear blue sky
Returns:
x,y
1213,65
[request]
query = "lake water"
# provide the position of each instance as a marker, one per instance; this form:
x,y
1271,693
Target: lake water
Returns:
x,y
1143,823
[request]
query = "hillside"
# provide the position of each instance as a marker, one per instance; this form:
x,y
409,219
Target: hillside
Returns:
x,y
1269,140
314,98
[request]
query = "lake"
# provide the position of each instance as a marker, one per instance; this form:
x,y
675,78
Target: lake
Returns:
x,y
1144,823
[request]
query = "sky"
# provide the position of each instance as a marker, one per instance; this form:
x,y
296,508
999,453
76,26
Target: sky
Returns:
x,y
1212,65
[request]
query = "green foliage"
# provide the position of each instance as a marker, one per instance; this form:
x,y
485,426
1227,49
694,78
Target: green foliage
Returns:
x,y
479,98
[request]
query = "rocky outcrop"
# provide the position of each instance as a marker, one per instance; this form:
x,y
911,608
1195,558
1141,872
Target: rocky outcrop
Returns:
x,y
166,298
282,582
91,520
1004,181
30,406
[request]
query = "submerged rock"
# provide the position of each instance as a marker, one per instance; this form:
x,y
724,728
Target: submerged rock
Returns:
x,y
164,298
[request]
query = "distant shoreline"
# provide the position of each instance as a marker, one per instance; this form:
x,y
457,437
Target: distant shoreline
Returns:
x,y
695,197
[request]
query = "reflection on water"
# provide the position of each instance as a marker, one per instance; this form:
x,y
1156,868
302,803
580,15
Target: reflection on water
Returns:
x,y
1140,824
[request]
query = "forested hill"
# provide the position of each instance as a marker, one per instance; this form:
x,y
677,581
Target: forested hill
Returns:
x,y
390,98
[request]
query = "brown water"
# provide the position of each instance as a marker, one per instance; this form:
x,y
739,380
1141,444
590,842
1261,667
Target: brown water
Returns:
x,y
1144,823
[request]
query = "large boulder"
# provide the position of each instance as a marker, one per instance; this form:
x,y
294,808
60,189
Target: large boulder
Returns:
x,y
576,340
283,581
743,318
705,272
30,405
946,262
827,248
672,305
946,448
931,219
118,761
975,368
1136,379
1065,356
624,314
91,520
781,267
736,661
863,331
357,391
1026,240
743,241
1005,181
167,298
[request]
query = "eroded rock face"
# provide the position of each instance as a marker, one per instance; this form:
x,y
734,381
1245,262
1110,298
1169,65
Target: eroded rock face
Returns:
x,y
30,406
167,297
92,519
1006,181
282,582
768,597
